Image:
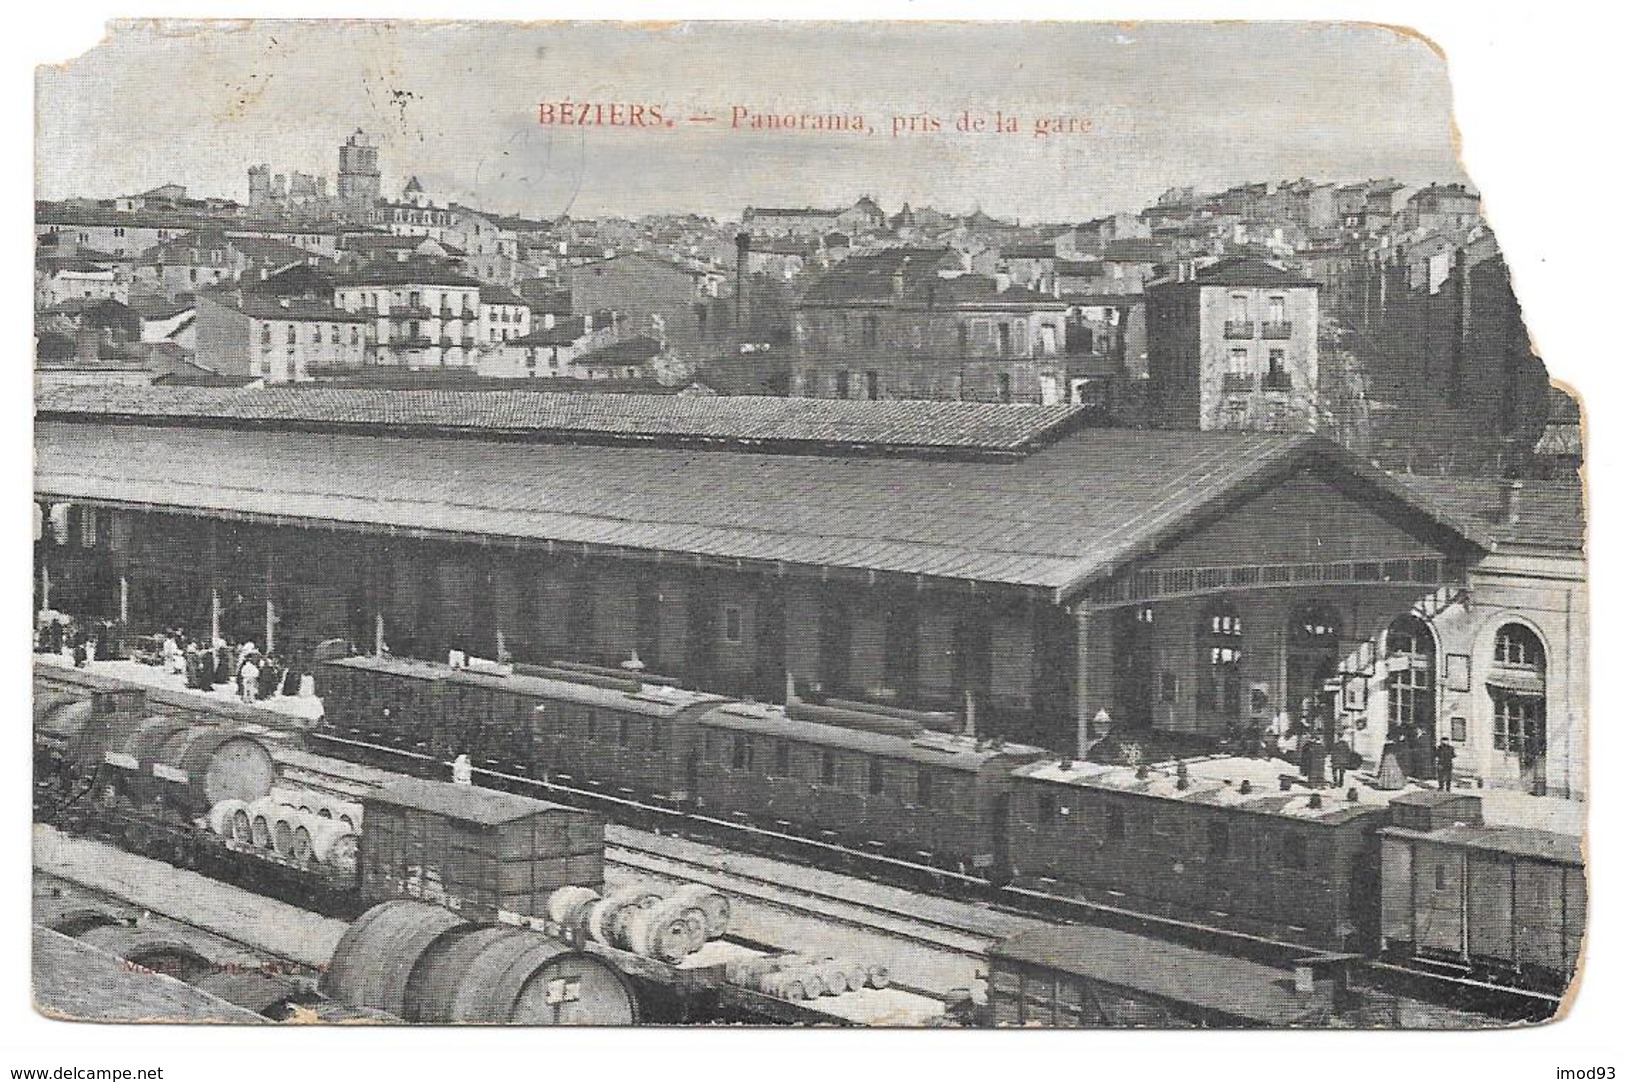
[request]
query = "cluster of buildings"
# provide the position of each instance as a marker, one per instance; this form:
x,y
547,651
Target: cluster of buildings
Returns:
x,y
304,284
1376,313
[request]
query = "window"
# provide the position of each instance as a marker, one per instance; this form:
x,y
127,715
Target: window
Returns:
x,y
1238,309
1046,339
355,336
826,770
871,330
733,630
781,759
922,787
292,334
741,759
1277,379
1218,840
265,334
1004,339
333,334
1294,851
1520,723
964,338
1518,645
1410,653
1020,330
871,385
1277,310
316,334
1219,640
877,777
842,384
1240,363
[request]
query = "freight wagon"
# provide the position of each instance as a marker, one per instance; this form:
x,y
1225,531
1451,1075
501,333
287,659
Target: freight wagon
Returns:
x,y
1506,903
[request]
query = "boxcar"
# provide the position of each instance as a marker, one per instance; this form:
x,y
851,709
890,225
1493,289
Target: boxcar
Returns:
x,y
931,796
1293,866
1506,900
478,851
388,700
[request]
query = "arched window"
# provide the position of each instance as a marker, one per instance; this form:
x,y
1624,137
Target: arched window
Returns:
x,y
1410,653
1218,645
1517,686
1518,645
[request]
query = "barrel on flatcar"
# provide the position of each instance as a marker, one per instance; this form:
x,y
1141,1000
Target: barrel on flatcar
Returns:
x,y
1508,902
926,796
1299,867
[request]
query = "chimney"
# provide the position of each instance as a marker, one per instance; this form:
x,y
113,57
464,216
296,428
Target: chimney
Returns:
x,y
1001,281
741,282
1511,501
970,713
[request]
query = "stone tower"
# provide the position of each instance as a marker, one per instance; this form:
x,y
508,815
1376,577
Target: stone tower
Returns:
x,y
359,180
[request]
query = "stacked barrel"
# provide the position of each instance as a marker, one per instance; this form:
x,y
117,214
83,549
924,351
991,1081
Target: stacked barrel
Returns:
x,y
801,976
299,826
664,927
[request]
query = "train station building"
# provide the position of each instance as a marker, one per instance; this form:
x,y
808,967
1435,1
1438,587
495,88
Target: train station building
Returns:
x,y
1004,561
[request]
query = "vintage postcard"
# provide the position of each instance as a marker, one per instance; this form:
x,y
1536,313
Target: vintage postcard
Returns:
x,y
599,524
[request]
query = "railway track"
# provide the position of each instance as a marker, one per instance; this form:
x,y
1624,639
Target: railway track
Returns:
x,y
828,906
1464,991
1456,991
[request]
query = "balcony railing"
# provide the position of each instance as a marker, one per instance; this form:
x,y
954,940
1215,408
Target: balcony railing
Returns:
x,y
410,311
1238,329
1278,330
1238,381
420,342
1278,381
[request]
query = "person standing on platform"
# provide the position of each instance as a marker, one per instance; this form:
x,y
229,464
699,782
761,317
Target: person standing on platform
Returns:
x,y
1342,757
1444,757
248,679
462,770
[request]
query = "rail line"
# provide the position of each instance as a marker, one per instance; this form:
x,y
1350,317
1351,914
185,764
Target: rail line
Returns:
x,y
1400,977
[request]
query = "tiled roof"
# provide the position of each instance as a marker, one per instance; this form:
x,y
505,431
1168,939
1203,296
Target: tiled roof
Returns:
x,y
414,272
1551,514
1057,519
946,426
636,350
298,308
495,294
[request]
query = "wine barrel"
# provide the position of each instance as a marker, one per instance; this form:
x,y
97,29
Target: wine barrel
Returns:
x,y
211,763
223,815
659,931
262,822
712,902
567,906
605,920
332,844
515,976
372,966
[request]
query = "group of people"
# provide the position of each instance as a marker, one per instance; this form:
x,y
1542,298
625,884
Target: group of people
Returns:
x,y
254,674
82,643
1300,741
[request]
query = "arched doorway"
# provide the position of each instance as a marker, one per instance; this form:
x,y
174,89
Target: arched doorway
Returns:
x,y
1314,654
1412,701
1517,687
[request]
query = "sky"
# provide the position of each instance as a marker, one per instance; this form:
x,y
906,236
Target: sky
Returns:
x,y
1142,107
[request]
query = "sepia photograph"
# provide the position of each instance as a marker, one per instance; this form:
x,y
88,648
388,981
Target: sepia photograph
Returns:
x,y
930,525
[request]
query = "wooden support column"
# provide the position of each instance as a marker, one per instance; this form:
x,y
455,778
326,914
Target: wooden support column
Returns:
x,y
1083,623
212,568
47,537
124,599
270,606
378,633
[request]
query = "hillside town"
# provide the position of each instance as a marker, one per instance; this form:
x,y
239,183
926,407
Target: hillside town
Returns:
x,y
1374,312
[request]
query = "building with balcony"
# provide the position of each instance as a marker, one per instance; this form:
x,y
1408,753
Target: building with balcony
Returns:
x,y
1234,346
423,314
